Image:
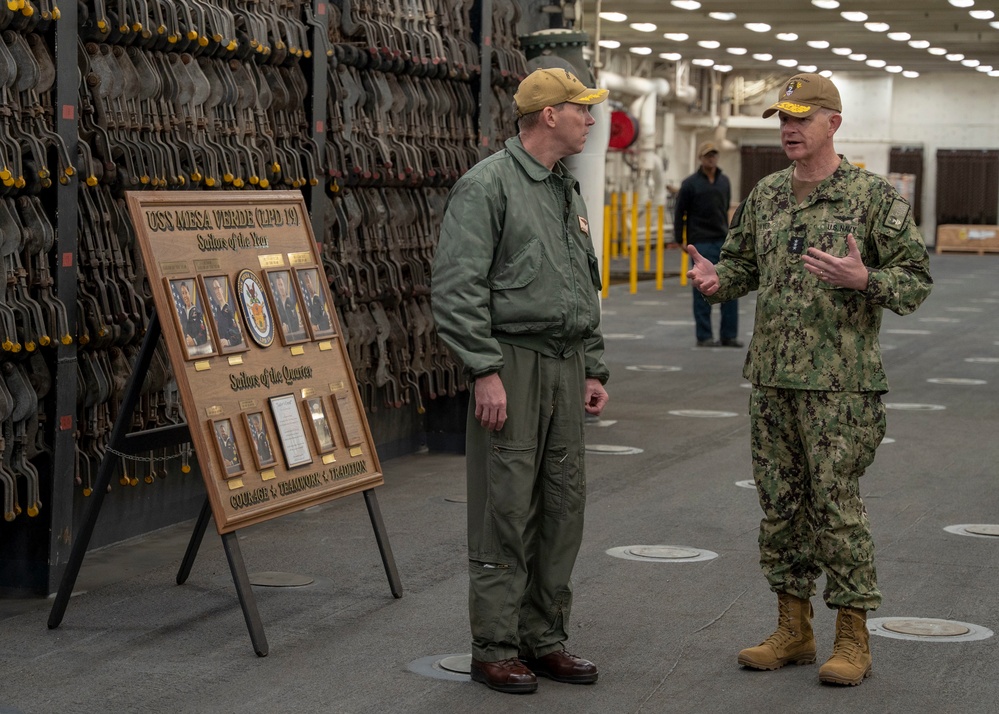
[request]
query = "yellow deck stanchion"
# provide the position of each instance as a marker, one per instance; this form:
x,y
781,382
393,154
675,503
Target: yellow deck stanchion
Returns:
x,y
683,256
648,235
624,224
613,225
634,244
659,250
606,259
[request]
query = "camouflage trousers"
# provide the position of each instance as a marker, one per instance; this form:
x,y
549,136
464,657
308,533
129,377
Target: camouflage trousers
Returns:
x,y
809,450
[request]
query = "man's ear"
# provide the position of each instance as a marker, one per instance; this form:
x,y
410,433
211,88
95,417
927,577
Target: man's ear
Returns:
x,y
835,121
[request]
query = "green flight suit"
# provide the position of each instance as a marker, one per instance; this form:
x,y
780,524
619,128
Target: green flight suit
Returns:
x,y
515,292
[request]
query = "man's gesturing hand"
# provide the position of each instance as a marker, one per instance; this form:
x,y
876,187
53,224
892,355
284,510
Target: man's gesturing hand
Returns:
x,y
703,275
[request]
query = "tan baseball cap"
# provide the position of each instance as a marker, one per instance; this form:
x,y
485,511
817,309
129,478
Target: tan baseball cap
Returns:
x,y
548,87
706,148
805,94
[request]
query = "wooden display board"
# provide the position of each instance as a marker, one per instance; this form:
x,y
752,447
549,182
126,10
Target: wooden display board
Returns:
x,y
262,371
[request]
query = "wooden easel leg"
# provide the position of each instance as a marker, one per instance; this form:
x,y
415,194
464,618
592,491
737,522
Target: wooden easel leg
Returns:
x,y
383,542
195,544
245,593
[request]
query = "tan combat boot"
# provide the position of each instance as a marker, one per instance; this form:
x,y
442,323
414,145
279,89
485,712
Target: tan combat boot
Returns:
x,y
851,659
792,642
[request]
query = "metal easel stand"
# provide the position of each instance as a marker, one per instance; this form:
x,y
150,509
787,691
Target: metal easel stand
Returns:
x,y
136,442
122,441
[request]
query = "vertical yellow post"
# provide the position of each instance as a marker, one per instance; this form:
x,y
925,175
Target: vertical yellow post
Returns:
x,y
605,266
659,250
613,226
624,224
683,256
648,235
634,244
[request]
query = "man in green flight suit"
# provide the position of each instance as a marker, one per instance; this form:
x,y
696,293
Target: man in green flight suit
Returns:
x,y
828,246
515,297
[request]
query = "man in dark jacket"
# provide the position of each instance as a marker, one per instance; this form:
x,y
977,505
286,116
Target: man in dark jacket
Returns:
x,y
702,207
515,297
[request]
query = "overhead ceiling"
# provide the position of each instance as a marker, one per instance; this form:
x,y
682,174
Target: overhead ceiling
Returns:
x,y
937,22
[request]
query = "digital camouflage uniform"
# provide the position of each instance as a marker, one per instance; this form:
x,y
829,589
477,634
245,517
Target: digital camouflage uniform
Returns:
x,y
815,366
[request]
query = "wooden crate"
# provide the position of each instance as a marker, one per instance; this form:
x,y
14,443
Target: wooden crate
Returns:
x,y
954,238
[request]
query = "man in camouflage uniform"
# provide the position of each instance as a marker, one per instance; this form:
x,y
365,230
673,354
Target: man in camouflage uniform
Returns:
x,y
828,246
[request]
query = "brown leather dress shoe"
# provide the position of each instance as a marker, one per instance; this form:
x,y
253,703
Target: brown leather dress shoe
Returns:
x,y
563,667
507,675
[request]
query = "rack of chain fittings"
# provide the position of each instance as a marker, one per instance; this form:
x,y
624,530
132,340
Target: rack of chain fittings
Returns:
x,y
403,102
372,109
189,95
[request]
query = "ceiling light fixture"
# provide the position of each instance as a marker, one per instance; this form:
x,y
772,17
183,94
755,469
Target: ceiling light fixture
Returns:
x,y
955,57
787,36
842,51
787,62
643,26
900,36
876,63
970,62
613,16
809,68
994,73
826,4
919,44
938,51
640,50
677,36
763,57
671,56
609,44
986,68
757,27
854,16
737,50
893,68
826,73
910,74
686,4
982,14
709,44
817,44
723,16
858,57
994,24
877,26
704,62
723,67
962,3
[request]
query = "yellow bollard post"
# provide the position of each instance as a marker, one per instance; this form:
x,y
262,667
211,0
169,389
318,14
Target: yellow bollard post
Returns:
x,y
634,244
648,235
659,251
613,227
605,267
684,257
624,224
